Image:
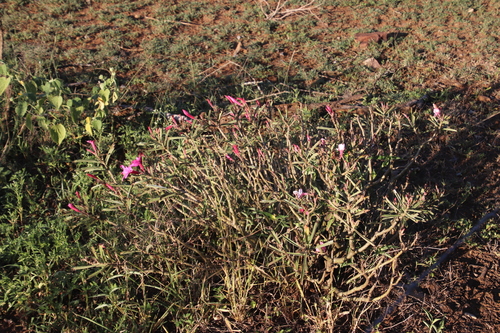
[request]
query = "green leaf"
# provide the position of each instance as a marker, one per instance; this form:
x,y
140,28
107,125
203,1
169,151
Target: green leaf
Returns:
x,y
29,122
4,83
3,70
21,108
56,101
76,113
31,89
104,94
46,88
97,125
43,123
58,133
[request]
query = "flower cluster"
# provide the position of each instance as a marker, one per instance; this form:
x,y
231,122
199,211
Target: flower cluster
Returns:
x,y
126,171
436,111
137,163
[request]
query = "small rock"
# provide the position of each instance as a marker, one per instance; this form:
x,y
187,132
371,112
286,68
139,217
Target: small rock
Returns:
x,y
484,99
372,62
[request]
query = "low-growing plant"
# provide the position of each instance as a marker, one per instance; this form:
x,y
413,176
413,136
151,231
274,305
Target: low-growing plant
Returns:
x,y
212,214
435,324
39,103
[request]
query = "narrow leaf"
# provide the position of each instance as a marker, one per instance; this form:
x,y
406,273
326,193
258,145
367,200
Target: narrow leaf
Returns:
x,y
88,125
29,122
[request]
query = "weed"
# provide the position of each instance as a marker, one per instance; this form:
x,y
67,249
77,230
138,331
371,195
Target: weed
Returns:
x,y
434,324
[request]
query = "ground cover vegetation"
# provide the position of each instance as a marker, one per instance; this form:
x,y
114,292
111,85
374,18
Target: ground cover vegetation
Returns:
x,y
261,166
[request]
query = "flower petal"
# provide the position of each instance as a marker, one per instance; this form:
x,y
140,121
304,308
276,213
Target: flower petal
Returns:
x,y
187,114
71,206
138,162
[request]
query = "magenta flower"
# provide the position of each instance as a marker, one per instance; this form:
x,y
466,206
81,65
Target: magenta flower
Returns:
x,y
321,249
229,158
169,127
187,114
138,162
236,151
94,147
71,206
127,171
260,154
210,103
299,194
92,176
110,187
329,110
341,149
436,111
233,100
303,211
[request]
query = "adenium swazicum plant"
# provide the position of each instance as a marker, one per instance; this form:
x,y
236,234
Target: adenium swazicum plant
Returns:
x,y
268,201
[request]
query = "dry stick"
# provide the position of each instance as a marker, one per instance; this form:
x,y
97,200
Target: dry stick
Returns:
x,y
1,41
422,276
305,8
220,67
170,21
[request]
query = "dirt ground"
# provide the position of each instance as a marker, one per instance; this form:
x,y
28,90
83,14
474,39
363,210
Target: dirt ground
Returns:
x,y
465,290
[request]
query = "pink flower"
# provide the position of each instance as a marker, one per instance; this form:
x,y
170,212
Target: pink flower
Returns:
x,y
233,100
299,194
260,154
303,211
138,162
236,151
94,147
92,176
229,158
329,110
127,171
169,127
188,114
341,149
321,249
210,103
78,195
436,111
296,148
71,206
110,187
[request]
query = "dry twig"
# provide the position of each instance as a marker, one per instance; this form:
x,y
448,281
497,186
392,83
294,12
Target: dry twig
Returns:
x,y
279,12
